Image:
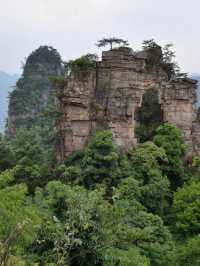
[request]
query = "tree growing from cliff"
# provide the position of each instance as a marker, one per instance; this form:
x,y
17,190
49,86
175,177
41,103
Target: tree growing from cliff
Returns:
x,y
111,41
163,57
82,63
166,53
154,53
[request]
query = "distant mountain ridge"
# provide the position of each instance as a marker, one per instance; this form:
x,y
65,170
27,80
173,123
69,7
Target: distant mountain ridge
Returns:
x,y
7,81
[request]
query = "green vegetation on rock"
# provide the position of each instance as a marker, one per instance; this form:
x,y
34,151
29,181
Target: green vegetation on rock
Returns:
x,y
33,92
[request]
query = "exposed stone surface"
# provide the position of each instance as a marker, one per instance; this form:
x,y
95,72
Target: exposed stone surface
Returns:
x,y
109,95
178,99
75,104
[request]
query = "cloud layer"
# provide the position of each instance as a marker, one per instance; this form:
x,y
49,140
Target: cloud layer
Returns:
x,y
73,27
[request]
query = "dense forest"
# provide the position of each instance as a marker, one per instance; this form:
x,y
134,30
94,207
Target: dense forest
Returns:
x,y
102,206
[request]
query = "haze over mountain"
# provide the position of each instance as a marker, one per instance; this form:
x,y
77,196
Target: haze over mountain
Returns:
x,y
7,81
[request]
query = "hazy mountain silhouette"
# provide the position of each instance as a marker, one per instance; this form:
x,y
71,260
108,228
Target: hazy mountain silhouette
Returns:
x,y
6,83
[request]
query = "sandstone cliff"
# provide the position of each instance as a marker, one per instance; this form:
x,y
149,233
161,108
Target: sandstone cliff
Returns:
x,y
109,94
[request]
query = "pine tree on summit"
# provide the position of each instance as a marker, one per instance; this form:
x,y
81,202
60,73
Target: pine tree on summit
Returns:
x,y
111,41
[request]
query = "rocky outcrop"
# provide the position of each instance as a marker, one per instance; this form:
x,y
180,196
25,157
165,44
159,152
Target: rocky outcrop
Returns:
x,y
33,91
178,98
108,95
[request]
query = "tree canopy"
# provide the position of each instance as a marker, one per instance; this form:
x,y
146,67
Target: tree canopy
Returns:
x,y
101,206
112,41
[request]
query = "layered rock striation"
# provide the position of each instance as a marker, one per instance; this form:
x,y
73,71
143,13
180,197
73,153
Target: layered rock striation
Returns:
x,y
108,95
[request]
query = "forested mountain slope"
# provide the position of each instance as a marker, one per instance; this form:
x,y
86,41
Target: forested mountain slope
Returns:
x,y
33,92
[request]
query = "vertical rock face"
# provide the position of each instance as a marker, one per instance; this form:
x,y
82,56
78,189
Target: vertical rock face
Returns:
x,y
75,103
118,94
179,106
108,96
33,92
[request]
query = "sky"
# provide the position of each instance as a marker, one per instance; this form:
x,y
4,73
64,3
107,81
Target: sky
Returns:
x,y
74,26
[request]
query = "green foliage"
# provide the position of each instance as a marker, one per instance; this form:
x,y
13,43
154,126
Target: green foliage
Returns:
x,y
6,178
27,147
73,234
71,170
162,57
100,162
33,90
130,257
146,163
129,189
196,168
82,228
149,116
154,52
102,206
71,174
74,158
18,219
186,210
32,160
81,64
188,254
32,102
6,155
169,138
131,226
28,174
15,212
110,41
108,208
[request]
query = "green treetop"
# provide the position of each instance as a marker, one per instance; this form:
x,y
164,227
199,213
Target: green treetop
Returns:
x,y
111,41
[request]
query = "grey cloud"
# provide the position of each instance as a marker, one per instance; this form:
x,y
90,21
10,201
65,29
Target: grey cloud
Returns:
x,y
73,27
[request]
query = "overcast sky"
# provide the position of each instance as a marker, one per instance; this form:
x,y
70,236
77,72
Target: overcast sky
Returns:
x,y
74,26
